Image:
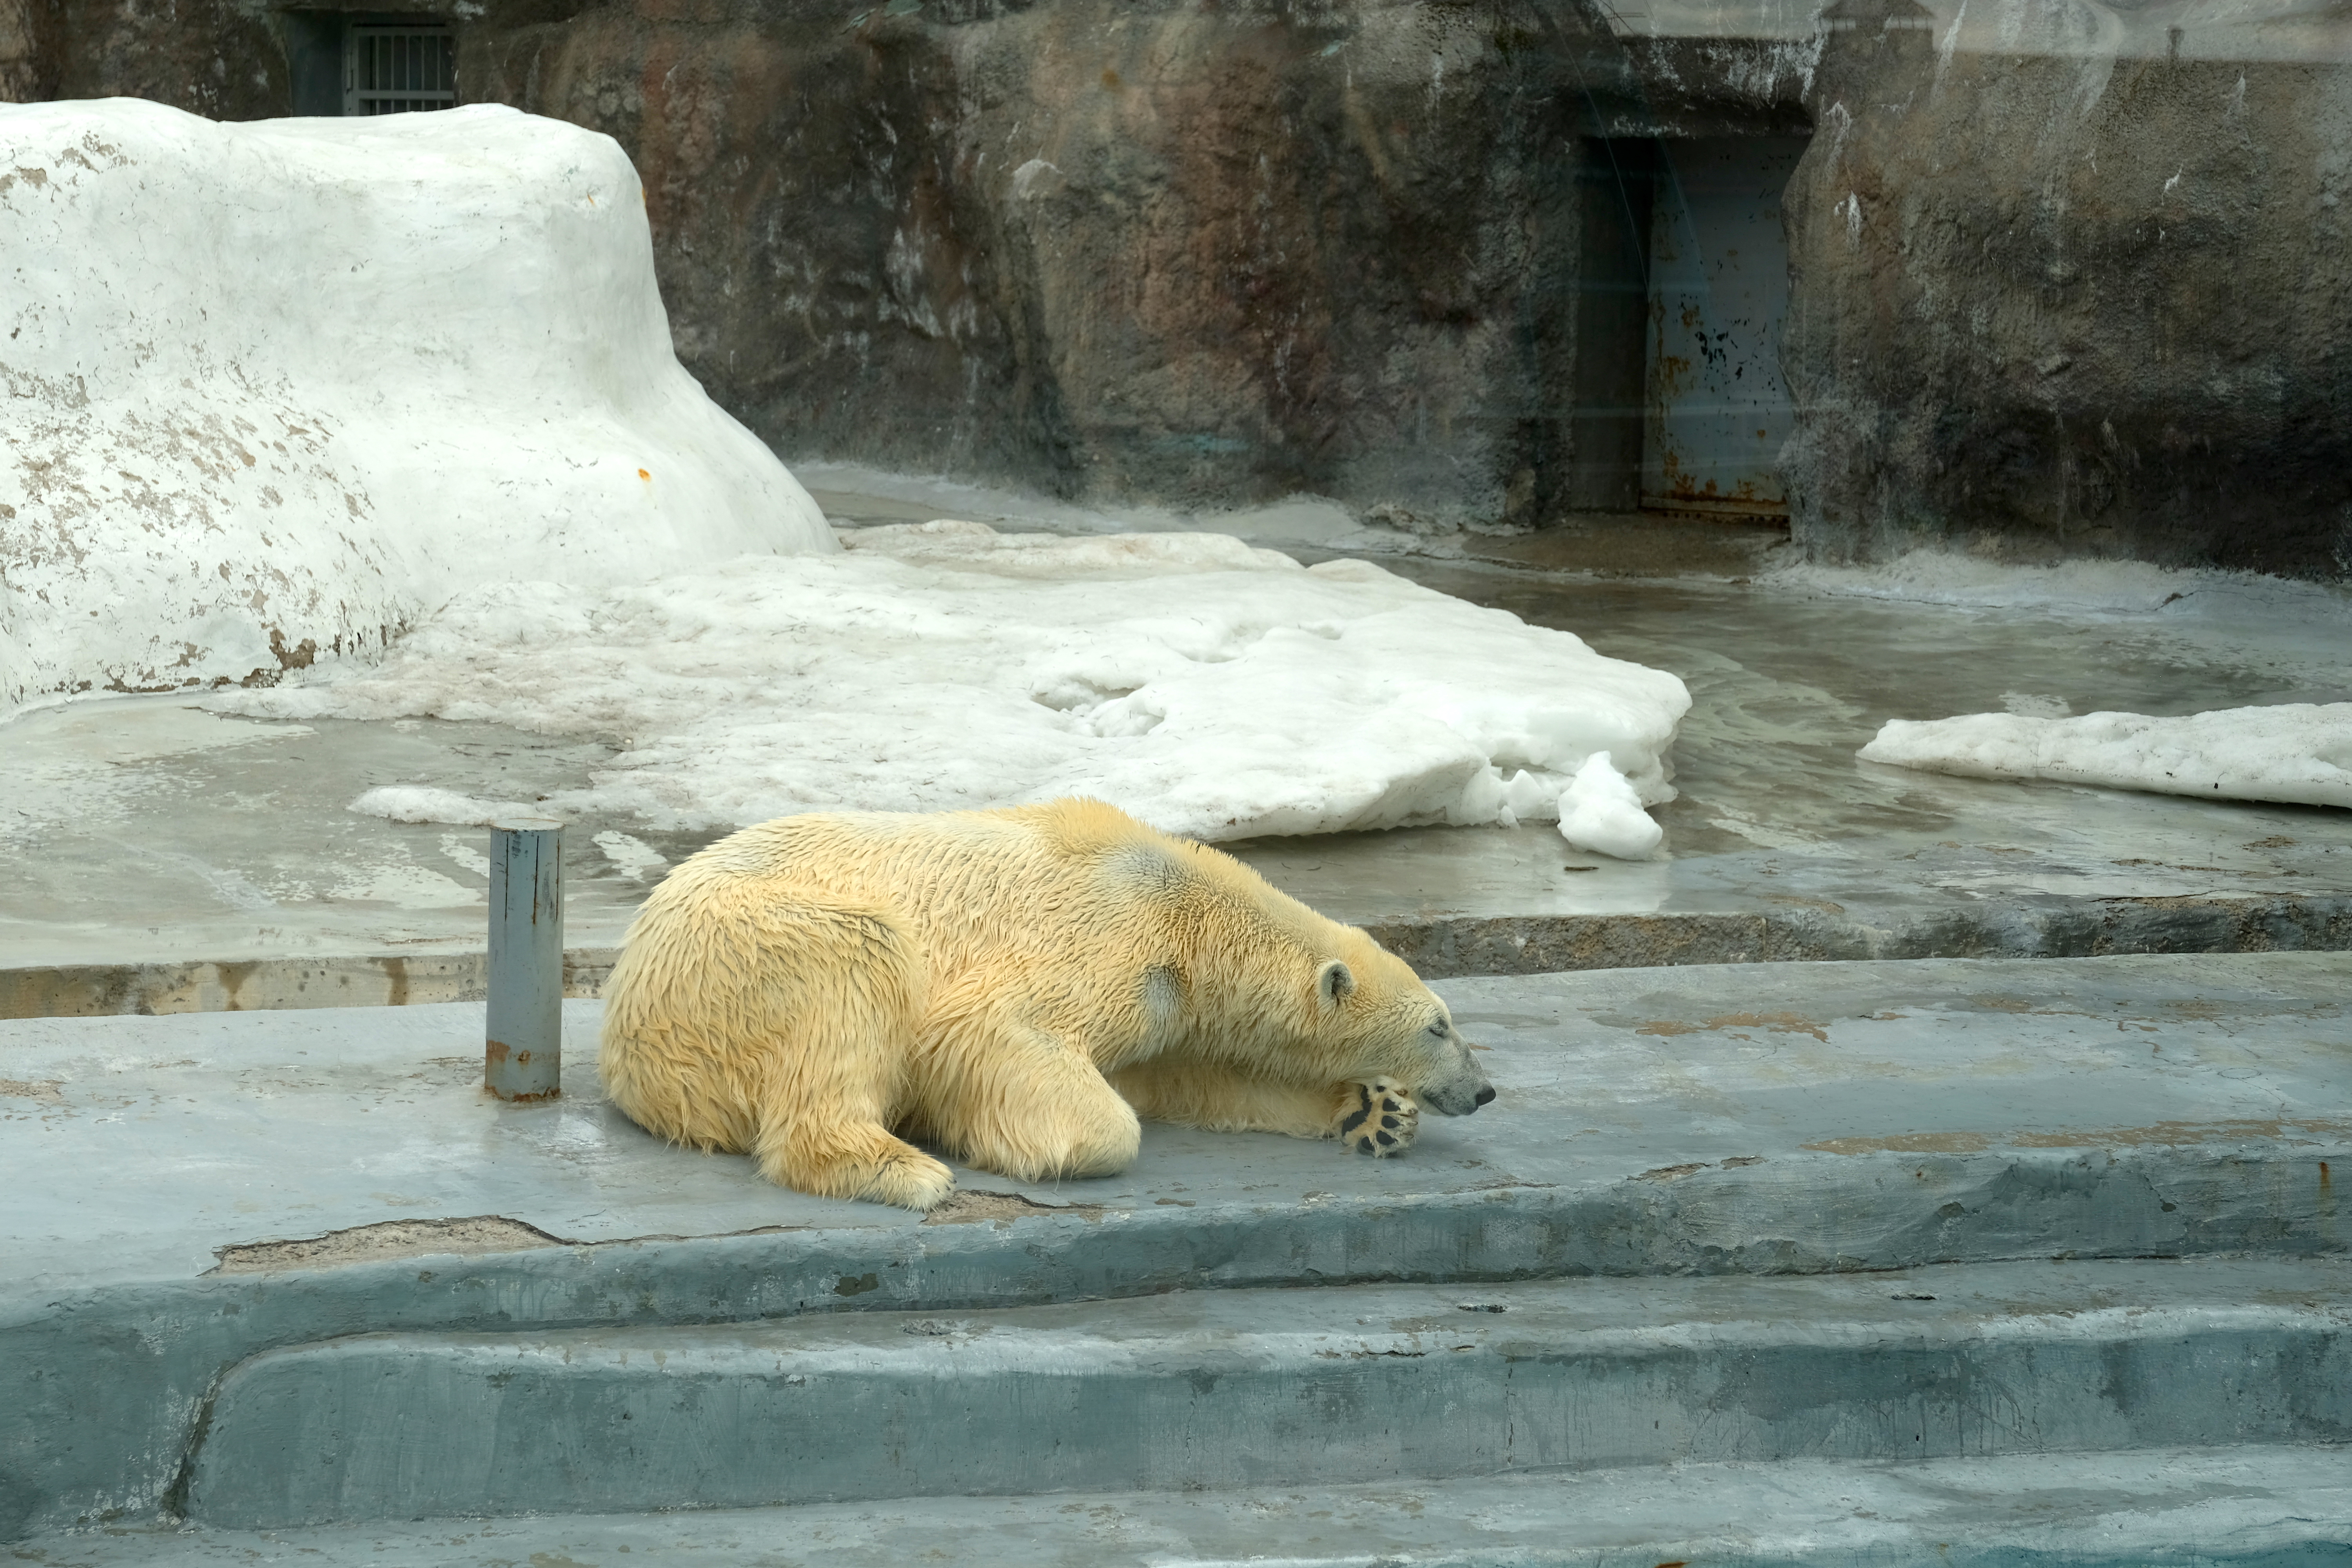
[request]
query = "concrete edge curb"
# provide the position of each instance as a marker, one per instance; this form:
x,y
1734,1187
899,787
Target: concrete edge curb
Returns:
x,y
129,1369
1441,949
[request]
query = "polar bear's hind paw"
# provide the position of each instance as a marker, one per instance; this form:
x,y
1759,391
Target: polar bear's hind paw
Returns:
x,y
1382,1121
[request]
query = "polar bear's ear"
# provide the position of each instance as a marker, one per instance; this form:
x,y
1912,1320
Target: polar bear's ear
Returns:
x,y
1334,983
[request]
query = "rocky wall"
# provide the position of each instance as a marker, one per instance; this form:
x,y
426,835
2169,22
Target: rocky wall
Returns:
x,y
2067,278
1174,252
2095,299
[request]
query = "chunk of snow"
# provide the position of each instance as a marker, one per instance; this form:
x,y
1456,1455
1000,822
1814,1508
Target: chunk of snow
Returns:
x,y
277,389
414,803
2296,752
632,858
1950,577
1602,812
1211,688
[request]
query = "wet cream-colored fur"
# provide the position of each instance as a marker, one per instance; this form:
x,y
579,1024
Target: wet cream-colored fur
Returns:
x,y
1014,987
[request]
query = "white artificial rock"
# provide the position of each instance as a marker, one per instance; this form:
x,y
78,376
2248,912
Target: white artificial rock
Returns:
x,y
1212,688
1601,811
2299,752
275,390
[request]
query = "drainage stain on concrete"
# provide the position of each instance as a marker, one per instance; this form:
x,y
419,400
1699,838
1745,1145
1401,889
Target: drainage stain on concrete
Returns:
x,y
47,1091
1907,1144
1778,1022
391,1238
2178,1133
973,1207
2168,1134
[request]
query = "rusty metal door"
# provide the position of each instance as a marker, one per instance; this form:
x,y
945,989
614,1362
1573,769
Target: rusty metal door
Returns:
x,y
1716,410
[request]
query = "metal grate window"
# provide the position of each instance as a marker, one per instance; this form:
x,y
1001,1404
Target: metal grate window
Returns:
x,y
395,70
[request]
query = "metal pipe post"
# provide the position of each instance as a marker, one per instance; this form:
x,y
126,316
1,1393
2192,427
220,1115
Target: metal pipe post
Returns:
x,y
523,1057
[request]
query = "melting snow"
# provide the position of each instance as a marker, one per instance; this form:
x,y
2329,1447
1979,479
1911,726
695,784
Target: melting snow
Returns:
x,y
1602,812
2299,752
1210,688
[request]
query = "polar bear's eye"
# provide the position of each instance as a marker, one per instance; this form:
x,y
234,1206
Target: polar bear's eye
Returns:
x,y
1438,1028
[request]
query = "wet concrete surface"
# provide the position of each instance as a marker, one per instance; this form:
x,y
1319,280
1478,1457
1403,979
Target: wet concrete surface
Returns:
x,y
186,1192
1749,1082
142,831
2270,1505
1205,1389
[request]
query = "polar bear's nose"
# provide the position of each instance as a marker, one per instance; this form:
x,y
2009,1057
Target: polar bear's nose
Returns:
x,y
1487,1094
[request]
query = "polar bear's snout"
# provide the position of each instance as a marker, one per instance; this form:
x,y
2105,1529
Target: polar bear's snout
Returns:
x,y
1457,1096
1463,1089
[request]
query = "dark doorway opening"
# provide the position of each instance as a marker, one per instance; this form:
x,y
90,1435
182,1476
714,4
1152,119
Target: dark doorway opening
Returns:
x,y
1616,179
1684,285
342,63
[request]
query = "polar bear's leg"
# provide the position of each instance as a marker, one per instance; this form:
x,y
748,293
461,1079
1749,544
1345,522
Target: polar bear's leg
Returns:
x,y
1017,1100
1377,1118
843,987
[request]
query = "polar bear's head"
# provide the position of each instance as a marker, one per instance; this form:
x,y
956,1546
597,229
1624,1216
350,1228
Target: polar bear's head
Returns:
x,y
1374,1018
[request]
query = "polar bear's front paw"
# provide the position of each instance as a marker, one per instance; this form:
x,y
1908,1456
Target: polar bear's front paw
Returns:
x,y
912,1180
1379,1120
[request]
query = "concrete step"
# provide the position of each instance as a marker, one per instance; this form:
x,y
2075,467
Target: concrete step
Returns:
x,y
186,1193
1312,1387
2259,1507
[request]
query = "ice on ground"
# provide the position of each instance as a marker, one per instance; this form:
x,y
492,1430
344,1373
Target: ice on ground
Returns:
x,y
277,389
2299,752
632,858
412,803
1210,688
2094,587
1601,811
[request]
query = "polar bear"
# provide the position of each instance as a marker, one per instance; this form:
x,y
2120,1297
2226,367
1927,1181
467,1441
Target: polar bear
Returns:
x,y
1016,986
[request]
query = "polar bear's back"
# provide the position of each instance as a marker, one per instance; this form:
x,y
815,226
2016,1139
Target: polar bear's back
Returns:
x,y
971,883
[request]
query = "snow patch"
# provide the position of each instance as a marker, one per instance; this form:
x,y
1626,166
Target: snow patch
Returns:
x,y
277,389
633,857
1601,811
1943,577
2299,752
412,803
1212,688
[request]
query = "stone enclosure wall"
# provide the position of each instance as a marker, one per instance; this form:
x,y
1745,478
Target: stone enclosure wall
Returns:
x,y
2064,280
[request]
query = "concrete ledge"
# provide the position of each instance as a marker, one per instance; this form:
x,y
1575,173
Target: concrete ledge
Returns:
x,y
2270,1506
2072,928
131,1370
1440,949
1203,1389
356,980
188,1193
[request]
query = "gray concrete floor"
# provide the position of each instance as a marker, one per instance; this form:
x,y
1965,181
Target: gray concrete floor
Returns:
x,y
187,1192
2274,1506
141,830
242,1130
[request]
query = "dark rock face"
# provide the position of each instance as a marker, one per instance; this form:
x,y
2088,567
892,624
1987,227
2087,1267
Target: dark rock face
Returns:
x,y
2072,295
1116,249
2068,305
214,58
